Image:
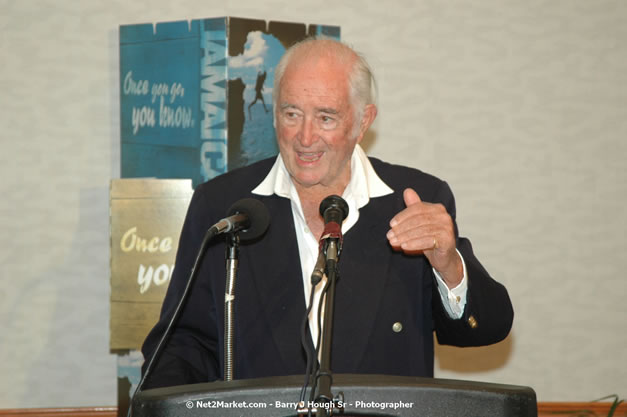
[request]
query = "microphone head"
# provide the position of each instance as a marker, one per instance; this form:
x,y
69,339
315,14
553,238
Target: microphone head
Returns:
x,y
334,209
258,217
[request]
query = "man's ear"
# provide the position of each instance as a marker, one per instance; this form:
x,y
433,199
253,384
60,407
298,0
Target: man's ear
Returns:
x,y
367,118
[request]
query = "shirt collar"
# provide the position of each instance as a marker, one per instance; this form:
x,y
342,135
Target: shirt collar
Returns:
x,y
363,185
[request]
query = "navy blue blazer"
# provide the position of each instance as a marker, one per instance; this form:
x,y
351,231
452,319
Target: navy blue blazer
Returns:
x,y
377,288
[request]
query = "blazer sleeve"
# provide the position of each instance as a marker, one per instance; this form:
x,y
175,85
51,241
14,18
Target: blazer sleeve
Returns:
x,y
488,314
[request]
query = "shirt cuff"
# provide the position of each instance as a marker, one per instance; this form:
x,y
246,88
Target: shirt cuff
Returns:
x,y
453,299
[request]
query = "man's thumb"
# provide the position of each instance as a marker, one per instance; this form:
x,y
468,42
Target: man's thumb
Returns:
x,y
411,197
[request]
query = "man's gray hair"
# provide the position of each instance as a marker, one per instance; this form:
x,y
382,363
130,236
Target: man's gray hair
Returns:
x,y
362,84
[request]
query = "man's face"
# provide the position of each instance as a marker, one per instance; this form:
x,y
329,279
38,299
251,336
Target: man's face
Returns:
x,y
314,121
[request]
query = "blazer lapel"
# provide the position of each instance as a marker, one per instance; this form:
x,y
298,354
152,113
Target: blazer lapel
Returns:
x,y
364,264
278,280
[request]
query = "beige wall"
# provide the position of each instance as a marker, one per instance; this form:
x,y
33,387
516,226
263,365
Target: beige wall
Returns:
x,y
521,106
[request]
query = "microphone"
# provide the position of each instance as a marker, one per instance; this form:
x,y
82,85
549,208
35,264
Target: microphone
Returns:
x,y
248,216
333,210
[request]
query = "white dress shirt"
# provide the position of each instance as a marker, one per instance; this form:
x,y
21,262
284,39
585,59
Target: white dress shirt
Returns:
x,y
363,185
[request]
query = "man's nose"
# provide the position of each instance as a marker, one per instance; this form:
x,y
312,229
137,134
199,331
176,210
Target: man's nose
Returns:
x,y
308,134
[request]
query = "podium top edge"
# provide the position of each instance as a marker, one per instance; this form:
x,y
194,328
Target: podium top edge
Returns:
x,y
341,381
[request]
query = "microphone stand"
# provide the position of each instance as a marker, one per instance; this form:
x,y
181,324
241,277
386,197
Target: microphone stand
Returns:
x,y
325,402
333,210
243,214
232,255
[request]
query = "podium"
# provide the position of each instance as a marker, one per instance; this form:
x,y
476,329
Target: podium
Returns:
x,y
363,395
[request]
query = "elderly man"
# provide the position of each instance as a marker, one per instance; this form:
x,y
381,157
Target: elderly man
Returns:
x,y
405,272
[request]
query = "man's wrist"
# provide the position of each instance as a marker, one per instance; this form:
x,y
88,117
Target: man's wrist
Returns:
x,y
453,275
453,297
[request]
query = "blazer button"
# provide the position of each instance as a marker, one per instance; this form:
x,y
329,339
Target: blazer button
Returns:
x,y
472,322
397,327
